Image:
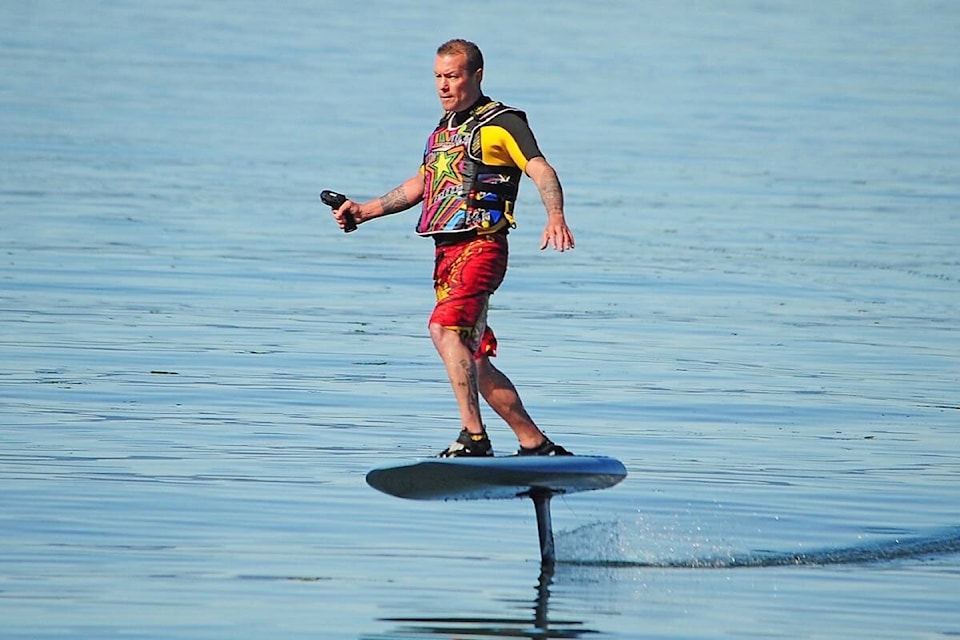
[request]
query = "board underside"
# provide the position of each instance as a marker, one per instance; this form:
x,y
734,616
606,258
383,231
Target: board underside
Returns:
x,y
496,478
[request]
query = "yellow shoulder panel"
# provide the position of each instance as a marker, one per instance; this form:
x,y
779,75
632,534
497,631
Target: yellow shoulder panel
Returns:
x,y
500,149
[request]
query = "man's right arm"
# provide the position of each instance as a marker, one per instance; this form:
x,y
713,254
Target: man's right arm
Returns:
x,y
394,201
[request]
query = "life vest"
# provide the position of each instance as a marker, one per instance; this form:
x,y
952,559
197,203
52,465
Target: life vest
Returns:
x,y
461,193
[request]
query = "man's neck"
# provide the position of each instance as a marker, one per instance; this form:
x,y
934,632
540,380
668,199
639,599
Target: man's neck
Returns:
x,y
461,116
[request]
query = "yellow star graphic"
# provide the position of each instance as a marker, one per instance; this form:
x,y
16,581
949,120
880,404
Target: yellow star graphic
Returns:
x,y
444,166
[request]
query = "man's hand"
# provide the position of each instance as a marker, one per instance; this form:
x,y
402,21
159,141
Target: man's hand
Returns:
x,y
557,234
348,212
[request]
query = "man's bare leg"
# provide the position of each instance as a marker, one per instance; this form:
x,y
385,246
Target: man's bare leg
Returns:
x,y
462,371
502,396
472,377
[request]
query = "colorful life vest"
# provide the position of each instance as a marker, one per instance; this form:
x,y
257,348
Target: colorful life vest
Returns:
x,y
461,193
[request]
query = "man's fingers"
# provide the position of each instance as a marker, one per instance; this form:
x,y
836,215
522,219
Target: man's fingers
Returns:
x,y
560,239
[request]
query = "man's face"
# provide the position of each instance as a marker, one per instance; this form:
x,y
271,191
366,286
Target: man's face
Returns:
x,y
456,88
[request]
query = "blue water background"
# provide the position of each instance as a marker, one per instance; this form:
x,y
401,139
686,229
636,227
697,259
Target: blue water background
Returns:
x,y
759,319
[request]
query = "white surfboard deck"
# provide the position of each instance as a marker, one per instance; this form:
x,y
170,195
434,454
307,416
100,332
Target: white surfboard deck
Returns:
x,y
496,478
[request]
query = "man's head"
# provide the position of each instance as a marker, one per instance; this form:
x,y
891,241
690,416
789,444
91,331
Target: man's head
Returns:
x,y
458,71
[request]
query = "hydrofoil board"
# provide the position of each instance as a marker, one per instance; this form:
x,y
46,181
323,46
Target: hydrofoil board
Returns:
x,y
496,478
536,477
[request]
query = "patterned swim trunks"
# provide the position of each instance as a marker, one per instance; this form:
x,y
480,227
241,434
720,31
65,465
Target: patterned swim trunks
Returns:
x,y
464,277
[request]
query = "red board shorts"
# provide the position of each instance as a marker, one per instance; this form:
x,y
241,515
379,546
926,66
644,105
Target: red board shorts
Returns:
x,y
465,275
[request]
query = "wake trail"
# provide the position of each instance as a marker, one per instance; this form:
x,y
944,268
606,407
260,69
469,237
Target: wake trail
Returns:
x,y
923,547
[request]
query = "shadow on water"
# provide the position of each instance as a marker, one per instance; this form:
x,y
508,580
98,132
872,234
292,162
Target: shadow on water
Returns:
x,y
539,626
915,548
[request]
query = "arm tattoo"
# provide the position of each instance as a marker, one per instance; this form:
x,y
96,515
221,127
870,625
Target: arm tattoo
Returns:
x,y
394,201
551,193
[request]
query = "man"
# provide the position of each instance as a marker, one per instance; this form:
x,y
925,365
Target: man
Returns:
x,y
468,184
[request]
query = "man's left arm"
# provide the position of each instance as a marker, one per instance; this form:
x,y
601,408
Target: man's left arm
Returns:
x,y
556,233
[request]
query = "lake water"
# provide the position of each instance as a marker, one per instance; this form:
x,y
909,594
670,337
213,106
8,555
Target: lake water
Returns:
x,y
760,320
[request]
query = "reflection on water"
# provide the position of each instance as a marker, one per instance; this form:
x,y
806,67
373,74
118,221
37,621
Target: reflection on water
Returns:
x,y
538,626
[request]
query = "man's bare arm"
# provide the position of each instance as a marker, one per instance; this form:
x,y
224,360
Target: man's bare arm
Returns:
x,y
396,200
556,233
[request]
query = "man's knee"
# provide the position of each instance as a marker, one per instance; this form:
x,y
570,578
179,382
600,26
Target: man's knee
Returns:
x,y
446,335
437,331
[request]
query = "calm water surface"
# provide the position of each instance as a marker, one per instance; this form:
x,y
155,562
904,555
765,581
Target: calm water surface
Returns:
x,y
760,320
